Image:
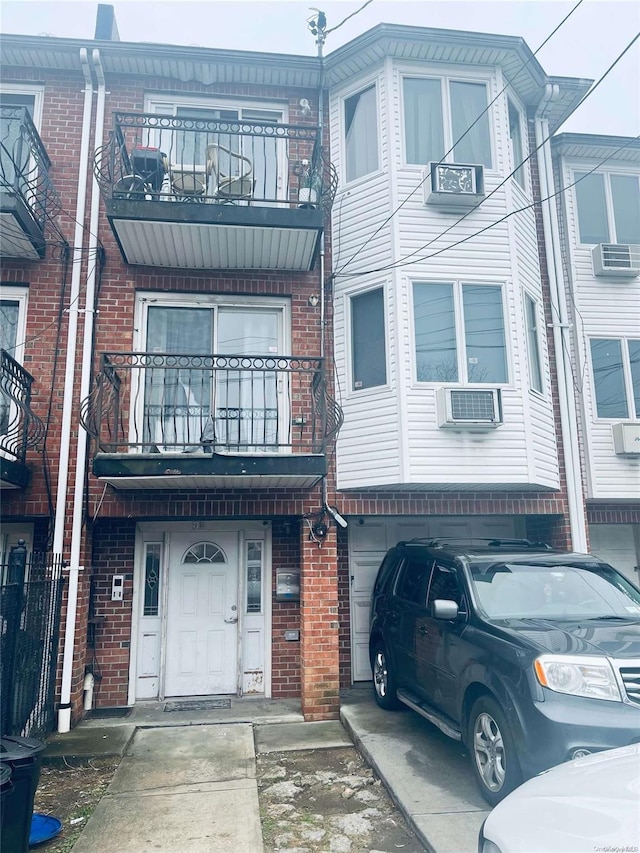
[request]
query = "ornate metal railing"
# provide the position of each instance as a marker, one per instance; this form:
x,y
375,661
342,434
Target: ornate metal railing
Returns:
x,y
168,403
24,164
19,427
205,159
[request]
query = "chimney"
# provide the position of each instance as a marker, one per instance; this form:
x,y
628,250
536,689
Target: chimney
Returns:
x,y
106,27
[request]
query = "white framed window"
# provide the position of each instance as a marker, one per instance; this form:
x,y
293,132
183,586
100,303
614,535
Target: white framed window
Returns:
x,y
254,576
615,363
532,313
459,333
438,112
368,339
360,115
13,319
608,207
516,142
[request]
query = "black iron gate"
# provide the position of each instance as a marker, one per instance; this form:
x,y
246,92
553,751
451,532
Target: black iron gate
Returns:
x,y
29,633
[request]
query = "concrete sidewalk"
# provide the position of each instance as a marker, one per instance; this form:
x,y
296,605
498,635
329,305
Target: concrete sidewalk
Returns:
x,y
192,786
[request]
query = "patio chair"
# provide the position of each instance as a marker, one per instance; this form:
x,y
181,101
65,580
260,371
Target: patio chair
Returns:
x,y
224,186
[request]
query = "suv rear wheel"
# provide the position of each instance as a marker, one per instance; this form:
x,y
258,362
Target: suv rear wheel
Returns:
x,y
493,754
384,683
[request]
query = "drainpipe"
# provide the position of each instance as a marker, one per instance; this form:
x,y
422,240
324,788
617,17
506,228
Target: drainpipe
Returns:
x,y
561,330
64,714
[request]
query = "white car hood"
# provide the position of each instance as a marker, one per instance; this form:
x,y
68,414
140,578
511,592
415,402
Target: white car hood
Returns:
x,y
582,806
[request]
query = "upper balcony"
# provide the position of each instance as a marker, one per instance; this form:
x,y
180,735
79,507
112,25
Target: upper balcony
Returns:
x,y
27,196
19,427
207,193
171,421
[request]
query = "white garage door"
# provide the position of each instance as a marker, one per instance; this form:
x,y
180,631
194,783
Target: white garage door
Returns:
x,y
368,543
616,544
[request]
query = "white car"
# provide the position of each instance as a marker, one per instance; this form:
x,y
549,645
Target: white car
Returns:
x,y
588,805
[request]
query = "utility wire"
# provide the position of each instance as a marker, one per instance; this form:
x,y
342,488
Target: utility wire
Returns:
x,y
352,15
405,260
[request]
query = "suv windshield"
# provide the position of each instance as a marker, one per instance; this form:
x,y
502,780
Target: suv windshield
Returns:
x,y
520,591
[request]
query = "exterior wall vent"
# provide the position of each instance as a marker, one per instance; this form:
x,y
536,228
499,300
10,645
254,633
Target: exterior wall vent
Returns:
x,y
616,259
469,408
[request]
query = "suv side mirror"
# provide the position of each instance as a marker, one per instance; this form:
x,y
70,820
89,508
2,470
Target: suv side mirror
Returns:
x,y
445,609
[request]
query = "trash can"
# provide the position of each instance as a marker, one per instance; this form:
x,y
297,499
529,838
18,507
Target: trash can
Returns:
x,y
6,789
23,756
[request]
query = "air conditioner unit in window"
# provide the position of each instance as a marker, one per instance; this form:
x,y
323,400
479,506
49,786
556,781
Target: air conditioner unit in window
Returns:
x,y
469,408
626,439
616,259
453,185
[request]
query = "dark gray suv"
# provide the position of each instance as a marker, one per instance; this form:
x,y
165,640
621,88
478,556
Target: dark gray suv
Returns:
x,y
529,656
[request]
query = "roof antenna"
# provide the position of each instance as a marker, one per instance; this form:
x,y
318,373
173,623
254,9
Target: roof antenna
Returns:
x,y
318,26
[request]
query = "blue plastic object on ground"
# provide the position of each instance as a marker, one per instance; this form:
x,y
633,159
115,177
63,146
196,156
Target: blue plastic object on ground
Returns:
x,y
43,828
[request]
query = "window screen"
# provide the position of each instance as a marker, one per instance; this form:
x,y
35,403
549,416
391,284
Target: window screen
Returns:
x,y
368,339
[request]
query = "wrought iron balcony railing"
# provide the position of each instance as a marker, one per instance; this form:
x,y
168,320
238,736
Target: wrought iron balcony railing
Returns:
x,y
24,164
205,159
19,427
168,403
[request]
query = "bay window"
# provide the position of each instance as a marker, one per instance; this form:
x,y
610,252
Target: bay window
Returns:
x,y
442,114
459,333
368,340
517,146
532,314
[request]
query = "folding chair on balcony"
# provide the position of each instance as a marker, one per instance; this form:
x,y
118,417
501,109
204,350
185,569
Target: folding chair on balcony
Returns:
x,y
223,185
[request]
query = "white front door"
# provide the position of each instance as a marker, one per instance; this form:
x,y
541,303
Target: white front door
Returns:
x,y
615,543
202,615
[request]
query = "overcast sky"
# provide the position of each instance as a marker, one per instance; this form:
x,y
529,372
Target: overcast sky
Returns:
x,y
584,47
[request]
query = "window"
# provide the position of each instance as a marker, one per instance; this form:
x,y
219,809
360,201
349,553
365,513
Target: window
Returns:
x,y
459,333
444,586
361,134
608,207
152,562
13,303
412,581
438,113
254,577
368,337
616,376
532,314
517,147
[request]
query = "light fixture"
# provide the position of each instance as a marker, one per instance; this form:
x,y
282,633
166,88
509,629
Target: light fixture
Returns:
x,y
305,107
313,300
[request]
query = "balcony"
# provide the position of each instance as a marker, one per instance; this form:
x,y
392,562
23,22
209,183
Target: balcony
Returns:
x,y
19,427
167,421
207,193
27,196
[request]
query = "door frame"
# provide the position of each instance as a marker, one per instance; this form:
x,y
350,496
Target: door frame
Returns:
x,y
161,531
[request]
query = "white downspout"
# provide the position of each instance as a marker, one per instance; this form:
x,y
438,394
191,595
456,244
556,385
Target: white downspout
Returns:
x,y
64,714
561,333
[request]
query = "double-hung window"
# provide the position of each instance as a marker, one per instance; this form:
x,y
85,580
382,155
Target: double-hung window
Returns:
x,y
361,133
368,340
608,207
517,144
441,116
13,305
459,333
616,377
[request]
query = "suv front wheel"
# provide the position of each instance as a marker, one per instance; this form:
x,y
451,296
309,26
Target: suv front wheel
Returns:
x,y
493,754
384,683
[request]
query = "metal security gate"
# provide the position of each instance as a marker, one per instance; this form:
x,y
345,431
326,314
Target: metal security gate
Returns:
x,y
29,631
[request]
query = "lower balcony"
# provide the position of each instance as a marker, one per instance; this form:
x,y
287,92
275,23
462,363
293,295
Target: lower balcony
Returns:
x,y
19,427
168,421
201,192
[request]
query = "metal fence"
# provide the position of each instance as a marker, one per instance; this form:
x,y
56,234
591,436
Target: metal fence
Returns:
x,y
30,626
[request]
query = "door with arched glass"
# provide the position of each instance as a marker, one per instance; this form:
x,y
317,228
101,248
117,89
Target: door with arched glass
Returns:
x,y
202,616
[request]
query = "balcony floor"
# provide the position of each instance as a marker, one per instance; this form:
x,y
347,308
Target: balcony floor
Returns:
x,y
206,235
210,471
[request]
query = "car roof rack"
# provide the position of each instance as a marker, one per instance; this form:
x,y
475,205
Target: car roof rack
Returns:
x,y
476,541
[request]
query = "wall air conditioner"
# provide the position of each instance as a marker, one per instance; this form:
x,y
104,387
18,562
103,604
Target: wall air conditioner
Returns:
x,y
453,185
616,259
469,408
626,439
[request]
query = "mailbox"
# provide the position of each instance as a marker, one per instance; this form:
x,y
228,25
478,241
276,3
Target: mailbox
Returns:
x,y
287,585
